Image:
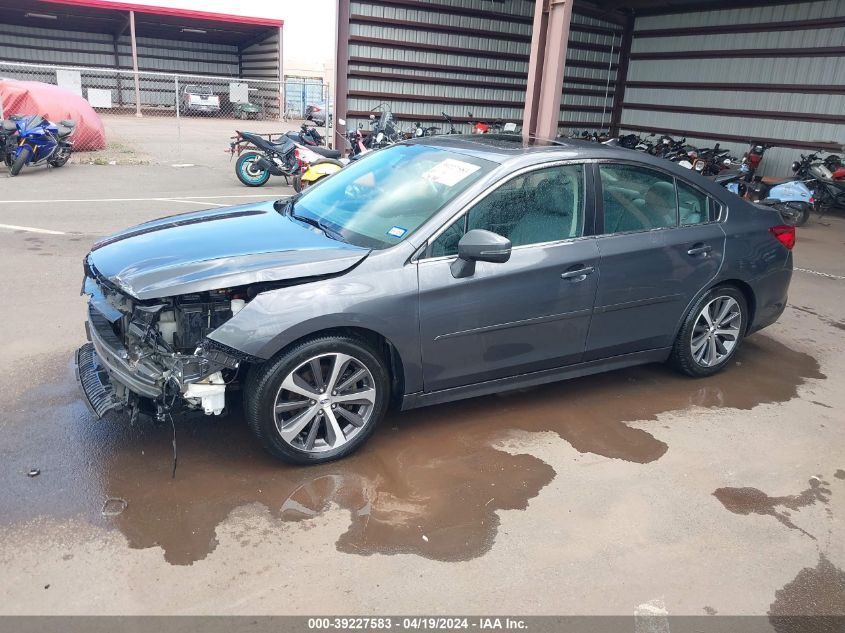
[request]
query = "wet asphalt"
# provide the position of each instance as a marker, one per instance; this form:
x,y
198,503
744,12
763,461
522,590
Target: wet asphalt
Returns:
x,y
592,496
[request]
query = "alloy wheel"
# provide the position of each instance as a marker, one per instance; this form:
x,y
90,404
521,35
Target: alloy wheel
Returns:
x,y
325,402
716,331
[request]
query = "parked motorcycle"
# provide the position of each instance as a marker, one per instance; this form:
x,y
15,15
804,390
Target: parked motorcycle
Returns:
x,y
8,129
792,198
452,129
38,142
827,191
307,135
300,165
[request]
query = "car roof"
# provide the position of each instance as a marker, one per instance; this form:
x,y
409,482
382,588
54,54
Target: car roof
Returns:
x,y
513,148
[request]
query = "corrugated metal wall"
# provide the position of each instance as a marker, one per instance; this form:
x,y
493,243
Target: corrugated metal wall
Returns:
x,y
75,48
733,75
424,57
260,60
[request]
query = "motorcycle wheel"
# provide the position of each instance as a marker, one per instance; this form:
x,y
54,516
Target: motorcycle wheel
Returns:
x,y
297,184
20,161
248,173
795,214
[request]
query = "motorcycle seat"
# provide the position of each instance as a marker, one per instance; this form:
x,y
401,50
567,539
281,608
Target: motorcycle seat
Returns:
x,y
68,123
325,152
769,202
776,181
64,130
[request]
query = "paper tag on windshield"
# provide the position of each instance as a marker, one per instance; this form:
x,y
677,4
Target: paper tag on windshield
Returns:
x,y
397,231
450,172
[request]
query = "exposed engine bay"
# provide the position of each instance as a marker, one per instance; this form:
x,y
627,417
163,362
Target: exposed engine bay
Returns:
x,y
157,350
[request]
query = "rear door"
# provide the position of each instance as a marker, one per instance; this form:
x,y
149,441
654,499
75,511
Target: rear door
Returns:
x,y
660,244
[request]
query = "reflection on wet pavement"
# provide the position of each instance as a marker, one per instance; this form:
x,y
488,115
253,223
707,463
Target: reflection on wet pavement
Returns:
x,y
429,482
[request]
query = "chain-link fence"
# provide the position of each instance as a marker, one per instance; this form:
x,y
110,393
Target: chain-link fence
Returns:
x,y
184,99
302,94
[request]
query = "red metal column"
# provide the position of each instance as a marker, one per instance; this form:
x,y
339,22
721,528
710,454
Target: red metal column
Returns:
x,y
549,42
341,68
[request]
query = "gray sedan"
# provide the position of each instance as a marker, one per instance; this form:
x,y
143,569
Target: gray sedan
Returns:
x,y
433,270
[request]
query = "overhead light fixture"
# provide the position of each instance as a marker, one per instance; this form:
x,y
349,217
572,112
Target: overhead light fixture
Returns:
x,y
186,30
43,16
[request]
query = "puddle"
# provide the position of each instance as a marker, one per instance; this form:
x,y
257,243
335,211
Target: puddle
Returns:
x,y
752,501
815,592
429,481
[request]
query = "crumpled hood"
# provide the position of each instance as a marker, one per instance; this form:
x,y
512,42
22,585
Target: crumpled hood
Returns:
x,y
219,248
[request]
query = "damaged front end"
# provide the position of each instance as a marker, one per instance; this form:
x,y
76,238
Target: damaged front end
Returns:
x,y
153,355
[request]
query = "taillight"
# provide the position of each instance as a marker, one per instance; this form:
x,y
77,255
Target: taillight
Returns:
x,y
784,234
812,200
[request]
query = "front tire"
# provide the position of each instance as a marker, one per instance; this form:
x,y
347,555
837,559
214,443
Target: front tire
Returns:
x,y
318,401
21,160
711,333
248,173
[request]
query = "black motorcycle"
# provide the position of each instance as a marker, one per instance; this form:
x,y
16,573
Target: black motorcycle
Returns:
x,y
8,129
307,135
272,158
827,191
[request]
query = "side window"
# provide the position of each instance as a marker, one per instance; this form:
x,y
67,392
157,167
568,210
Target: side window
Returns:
x,y
637,199
544,205
694,205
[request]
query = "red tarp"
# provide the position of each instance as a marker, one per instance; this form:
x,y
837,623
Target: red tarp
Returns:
x,y
34,97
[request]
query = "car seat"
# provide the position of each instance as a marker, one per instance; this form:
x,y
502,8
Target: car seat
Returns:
x,y
552,215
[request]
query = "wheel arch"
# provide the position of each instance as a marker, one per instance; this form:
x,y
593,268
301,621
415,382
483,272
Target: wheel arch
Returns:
x,y
747,291
743,286
385,348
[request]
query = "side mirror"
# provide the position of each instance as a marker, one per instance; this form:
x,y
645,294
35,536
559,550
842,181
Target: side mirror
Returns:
x,y
479,245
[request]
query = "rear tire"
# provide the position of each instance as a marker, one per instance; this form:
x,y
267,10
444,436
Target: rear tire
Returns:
x,y
795,214
711,332
21,160
297,422
60,161
248,173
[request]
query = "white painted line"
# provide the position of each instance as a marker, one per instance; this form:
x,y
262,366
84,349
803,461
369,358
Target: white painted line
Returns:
x,y
820,274
245,195
30,229
204,204
178,165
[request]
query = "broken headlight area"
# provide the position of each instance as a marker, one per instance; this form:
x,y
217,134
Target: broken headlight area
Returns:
x,y
153,356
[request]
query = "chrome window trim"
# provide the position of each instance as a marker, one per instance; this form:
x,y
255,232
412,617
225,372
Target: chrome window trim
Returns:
x,y
519,172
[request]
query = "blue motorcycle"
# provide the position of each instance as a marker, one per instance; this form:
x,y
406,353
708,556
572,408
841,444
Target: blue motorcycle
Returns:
x,y
792,198
36,141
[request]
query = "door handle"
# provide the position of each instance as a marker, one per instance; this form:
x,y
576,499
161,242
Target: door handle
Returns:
x,y
579,274
699,249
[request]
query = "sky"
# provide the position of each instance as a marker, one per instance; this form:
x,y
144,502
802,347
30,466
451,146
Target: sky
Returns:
x,y
308,32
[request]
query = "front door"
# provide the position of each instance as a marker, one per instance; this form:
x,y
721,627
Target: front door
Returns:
x,y
528,314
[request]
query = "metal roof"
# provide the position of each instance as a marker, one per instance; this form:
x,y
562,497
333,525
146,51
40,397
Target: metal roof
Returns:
x,y
104,16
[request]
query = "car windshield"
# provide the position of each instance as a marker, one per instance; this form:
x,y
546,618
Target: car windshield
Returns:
x,y
381,199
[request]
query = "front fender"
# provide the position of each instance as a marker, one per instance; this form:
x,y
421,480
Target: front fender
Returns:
x,y
368,297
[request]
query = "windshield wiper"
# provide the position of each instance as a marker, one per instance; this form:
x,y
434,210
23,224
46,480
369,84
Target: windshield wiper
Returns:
x,y
313,222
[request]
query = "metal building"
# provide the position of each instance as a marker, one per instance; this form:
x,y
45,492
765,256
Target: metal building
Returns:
x,y
424,58
734,72
96,35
